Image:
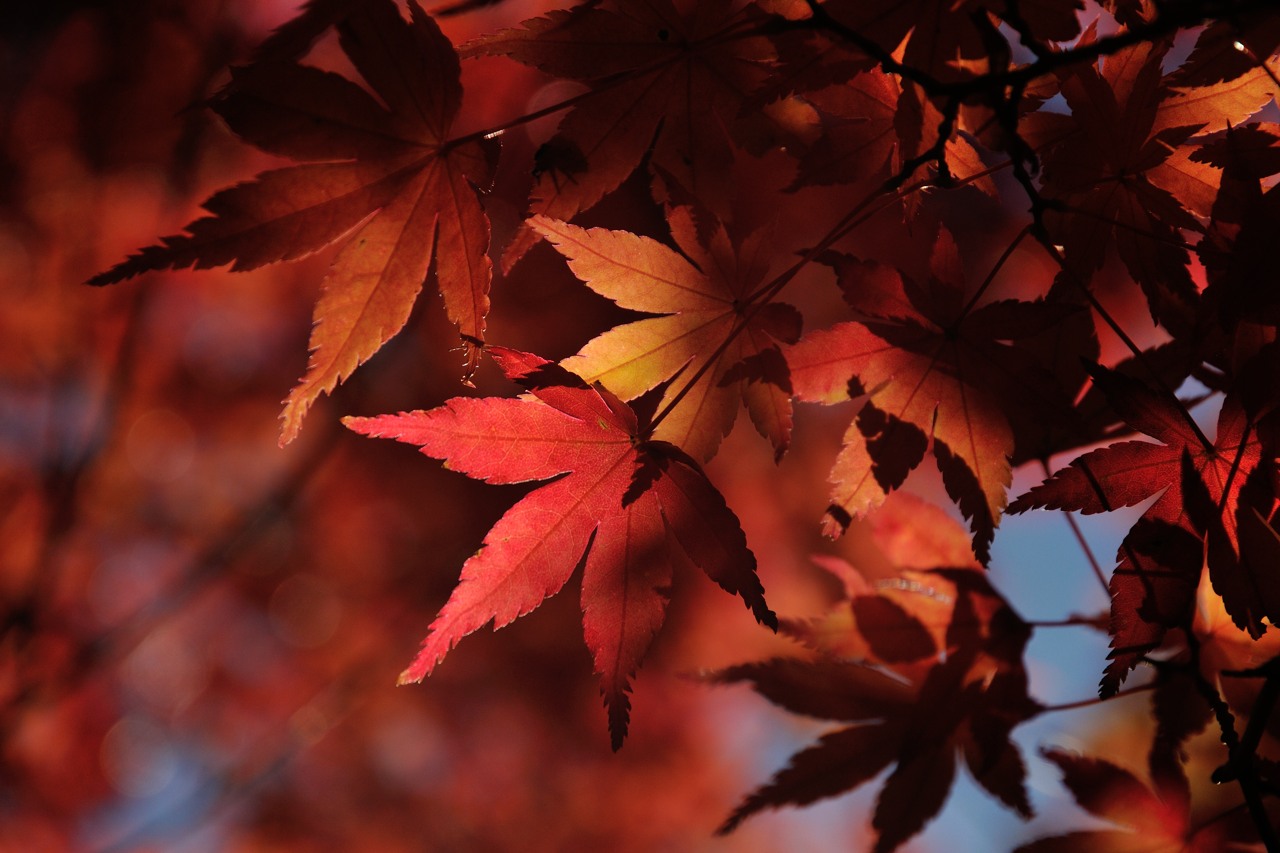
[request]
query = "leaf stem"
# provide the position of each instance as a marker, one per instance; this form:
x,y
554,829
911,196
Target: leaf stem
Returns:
x,y
1069,622
995,270
1097,700
1119,331
1084,543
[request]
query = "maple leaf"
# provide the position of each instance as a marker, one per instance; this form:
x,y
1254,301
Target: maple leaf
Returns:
x,y
1159,561
669,83
935,372
1154,820
918,719
809,59
627,508
1241,556
1121,175
703,297
1238,246
382,177
858,130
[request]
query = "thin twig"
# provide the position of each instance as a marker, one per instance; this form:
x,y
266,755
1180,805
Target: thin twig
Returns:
x,y
995,270
1097,700
1084,543
1239,764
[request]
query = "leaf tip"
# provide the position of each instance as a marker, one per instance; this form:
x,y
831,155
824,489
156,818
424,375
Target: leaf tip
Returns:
x,y
291,422
363,426
105,278
422,665
729,825
836,521
617,705
300,400
543,224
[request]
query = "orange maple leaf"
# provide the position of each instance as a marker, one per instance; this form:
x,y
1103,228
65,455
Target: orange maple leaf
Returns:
x,y
937,373
385,176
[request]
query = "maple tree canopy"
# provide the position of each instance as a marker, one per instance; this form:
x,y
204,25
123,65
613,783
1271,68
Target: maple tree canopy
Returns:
x,y
1033,241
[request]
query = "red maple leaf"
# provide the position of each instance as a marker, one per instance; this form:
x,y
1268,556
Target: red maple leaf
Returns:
x,y
627,507
703,299
1154,583
382,177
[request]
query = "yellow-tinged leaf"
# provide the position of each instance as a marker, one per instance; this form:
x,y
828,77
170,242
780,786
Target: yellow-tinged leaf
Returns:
x,y
715,346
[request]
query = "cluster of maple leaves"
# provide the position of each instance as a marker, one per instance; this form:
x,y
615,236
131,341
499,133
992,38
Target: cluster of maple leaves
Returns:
x,y
1123,163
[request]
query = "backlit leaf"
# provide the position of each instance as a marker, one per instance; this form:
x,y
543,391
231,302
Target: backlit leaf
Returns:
x,y
627,507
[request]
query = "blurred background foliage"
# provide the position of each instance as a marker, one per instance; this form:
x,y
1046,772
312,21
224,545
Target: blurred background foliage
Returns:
x,y
201,632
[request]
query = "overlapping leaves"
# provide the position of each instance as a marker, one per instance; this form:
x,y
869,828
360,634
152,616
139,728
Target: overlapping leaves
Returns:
x,y
1119,173
911,707
1159,562
938,33
667,84
929,666
708,325
938,373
